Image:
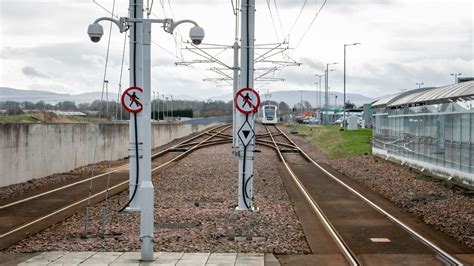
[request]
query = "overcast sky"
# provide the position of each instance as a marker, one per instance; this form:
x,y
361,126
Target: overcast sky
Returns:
x,y
44,45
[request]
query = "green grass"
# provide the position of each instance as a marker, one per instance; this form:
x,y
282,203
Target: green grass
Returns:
x,y
335,143
49,118
18,118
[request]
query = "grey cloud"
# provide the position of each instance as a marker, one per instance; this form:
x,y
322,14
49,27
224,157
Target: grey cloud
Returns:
x,y
72,54
339,5
312,63
32,72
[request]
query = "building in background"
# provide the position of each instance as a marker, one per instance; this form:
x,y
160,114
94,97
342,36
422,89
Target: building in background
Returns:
x,y
431,129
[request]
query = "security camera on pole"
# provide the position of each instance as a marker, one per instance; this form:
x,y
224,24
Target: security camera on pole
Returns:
x,y
246,102
137,100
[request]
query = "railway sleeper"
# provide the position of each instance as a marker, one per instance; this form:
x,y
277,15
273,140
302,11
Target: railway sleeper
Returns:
x,y
178,150
289,151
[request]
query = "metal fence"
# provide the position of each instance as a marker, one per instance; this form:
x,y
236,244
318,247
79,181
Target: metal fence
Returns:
x,y
440,134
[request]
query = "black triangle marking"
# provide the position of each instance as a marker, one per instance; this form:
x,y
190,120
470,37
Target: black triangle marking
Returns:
x,y
246,133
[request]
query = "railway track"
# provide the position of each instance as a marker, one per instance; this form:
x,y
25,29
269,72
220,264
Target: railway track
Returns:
x,y
363,231
29,215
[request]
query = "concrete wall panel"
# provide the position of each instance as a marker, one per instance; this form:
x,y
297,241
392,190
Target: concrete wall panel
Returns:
x,y
30,151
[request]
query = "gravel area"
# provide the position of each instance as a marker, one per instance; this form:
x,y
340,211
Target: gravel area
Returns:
x,y
41,184
447,207
194,212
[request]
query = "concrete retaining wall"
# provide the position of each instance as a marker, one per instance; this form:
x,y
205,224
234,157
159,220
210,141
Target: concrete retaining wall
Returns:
x,y
30,151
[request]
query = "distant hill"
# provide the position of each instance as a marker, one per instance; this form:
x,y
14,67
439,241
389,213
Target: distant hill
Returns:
x,y
34,96
290,97
294,97
10,94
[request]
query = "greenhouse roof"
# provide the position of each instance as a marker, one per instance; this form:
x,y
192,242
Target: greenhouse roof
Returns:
x,y
464,90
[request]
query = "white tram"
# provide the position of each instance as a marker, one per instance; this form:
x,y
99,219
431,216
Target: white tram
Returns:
x,y
269,114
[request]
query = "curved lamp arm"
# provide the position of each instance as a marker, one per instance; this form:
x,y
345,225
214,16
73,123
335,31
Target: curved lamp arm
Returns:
x,y
171,25
122,23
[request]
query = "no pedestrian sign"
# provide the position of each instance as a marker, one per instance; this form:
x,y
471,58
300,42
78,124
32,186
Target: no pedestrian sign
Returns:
x,y
131,99
247,101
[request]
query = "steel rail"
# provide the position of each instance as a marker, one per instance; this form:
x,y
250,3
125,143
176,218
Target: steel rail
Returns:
x,y
347,253
124,183
445,255
110,172
179,157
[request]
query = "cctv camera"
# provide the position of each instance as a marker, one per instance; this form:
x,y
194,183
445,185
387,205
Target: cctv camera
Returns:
x,y
95,32
196,34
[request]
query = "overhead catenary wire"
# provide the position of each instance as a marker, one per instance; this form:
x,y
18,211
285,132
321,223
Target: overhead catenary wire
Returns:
x,y
105,9
273,21
120,79
179,32
279,18
86,215
297,17
310,24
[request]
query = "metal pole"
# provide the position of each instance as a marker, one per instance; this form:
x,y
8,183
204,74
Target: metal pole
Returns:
x,y
158,106
146,186
106,99
344,98
120,101
301,103
247,75
326,100
164,107
172,107
316,103
136,79
235,144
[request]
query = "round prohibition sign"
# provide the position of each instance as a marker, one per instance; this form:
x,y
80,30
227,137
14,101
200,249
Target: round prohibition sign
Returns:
x,y
247,101
131,99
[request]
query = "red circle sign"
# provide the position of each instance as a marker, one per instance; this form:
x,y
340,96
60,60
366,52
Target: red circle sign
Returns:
x,y
247,101
131,99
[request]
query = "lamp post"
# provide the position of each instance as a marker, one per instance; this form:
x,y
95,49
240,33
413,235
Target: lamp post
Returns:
x,y
344,99
456,77
141,199
301,102
164,107
106,99
317,75
316,99
326,93
172,116
419,84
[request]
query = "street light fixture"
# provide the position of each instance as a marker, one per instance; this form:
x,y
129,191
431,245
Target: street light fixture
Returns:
x,y
326,93
344,100
140,73
419,84
317,75
456,77
316,103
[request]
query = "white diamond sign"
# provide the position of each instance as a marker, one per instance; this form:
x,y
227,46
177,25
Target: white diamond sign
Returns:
x,y
246,134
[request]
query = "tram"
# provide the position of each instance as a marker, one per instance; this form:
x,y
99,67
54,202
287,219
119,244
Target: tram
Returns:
x,y
269,114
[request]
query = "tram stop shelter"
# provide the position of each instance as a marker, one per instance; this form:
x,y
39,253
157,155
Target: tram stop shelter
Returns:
x,y
431,129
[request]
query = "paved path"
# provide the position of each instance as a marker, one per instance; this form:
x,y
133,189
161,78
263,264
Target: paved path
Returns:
x,y
160,258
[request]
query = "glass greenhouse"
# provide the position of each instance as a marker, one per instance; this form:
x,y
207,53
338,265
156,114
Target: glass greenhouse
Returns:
x,y
429,128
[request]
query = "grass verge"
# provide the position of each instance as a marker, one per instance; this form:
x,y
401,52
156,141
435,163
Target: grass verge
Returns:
x,y
335,143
